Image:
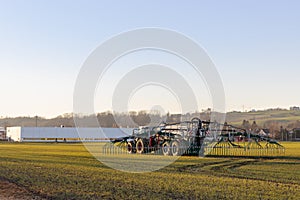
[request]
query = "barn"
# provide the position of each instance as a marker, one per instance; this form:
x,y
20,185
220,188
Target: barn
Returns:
x,y
64,134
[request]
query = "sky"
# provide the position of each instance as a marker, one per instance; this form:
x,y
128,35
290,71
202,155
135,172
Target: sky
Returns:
x,y
255,46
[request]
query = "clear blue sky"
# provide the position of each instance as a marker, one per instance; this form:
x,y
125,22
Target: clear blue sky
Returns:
x,y
254,44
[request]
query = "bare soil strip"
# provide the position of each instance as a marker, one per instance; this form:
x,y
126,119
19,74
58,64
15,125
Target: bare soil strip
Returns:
x,y
11,191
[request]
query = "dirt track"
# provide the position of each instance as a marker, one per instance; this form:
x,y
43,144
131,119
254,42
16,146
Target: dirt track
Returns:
x,y
10,191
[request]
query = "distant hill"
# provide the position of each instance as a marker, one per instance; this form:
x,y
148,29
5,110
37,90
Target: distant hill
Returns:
x,y
272,118
283,117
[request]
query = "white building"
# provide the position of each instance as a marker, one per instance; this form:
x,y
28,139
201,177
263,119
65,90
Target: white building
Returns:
x,y
65,134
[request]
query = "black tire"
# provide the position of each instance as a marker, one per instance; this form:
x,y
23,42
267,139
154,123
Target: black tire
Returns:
x,y
130,147
140,146
166,148
175,148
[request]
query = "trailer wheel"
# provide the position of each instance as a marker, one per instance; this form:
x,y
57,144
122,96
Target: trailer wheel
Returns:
x,y
130,148
166,148
175,148
140,146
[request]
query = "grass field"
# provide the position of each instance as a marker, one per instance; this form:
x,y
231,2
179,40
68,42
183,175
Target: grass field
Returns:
x,y
68,171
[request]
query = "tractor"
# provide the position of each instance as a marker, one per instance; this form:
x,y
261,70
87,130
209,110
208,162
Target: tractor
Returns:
x,y
168,138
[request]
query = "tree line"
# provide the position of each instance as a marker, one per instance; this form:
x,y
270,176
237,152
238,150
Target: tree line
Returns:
x,y
266,120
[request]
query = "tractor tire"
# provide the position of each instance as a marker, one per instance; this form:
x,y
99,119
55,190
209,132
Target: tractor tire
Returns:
x,y
130,147
166,148
175,148
140,146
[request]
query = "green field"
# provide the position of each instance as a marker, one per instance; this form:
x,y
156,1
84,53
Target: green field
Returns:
x,y
68,171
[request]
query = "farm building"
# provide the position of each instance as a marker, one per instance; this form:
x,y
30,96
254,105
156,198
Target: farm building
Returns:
x,y
65,134
264,132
